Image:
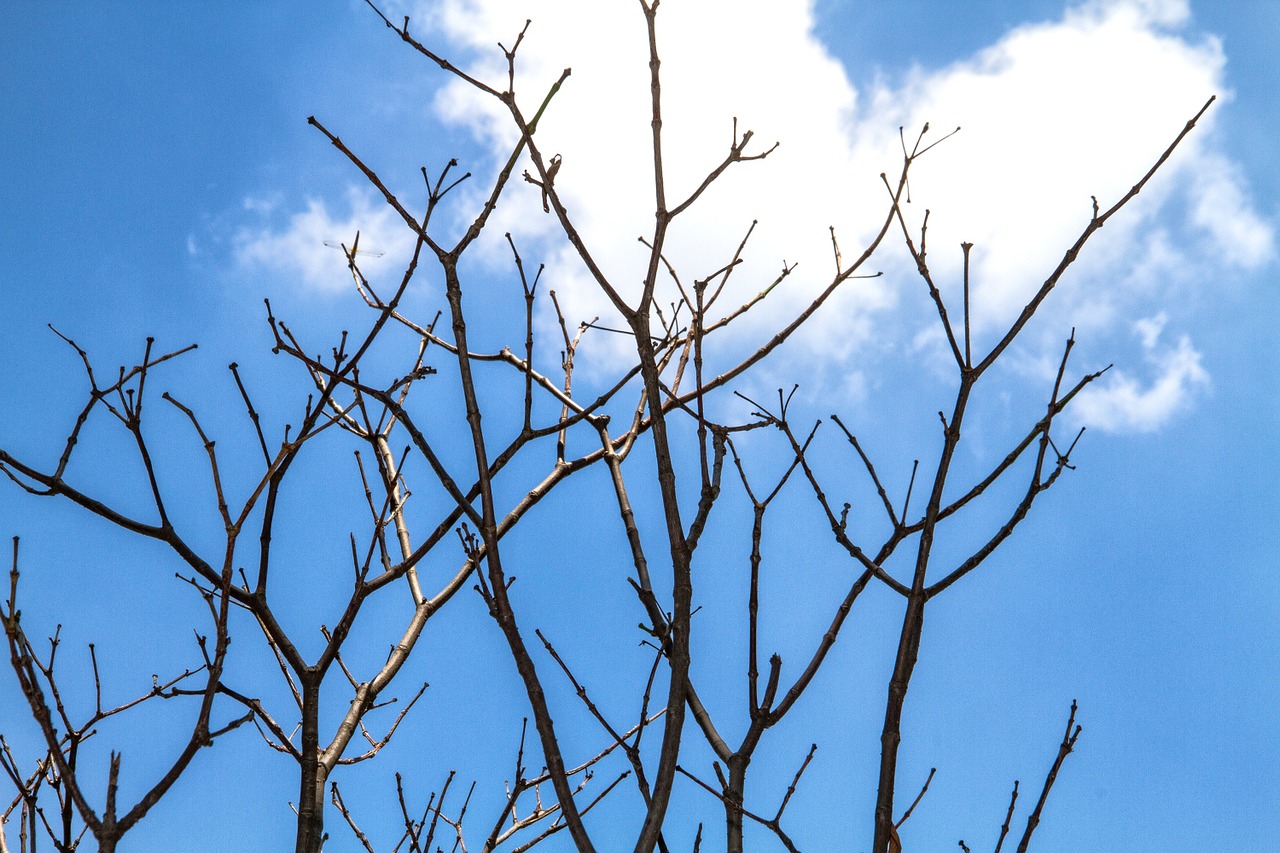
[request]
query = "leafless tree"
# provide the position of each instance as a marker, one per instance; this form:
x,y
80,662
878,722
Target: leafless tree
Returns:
x,y
425,493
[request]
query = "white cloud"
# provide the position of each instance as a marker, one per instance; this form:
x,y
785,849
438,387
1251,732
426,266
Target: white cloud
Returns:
x,y
1119,403
1148,329
304,249
714,71
1052,113
1221,207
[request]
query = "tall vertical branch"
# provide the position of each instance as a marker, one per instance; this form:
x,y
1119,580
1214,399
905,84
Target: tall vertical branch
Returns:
x,y
681,581
935,511
1068,744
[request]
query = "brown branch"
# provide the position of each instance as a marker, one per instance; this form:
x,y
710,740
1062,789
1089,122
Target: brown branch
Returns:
x,y
1008,817
1072,253
1068,744
916,801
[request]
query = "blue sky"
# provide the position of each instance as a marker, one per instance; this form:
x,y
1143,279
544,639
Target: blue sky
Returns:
x,y
159,178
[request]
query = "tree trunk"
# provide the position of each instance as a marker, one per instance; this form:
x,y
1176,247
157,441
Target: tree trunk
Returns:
x,y
891,735
314,773
681,590
734,798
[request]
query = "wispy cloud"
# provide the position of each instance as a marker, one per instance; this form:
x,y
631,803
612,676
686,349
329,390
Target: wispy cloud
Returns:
x,y
1125,405
1222,210
306,248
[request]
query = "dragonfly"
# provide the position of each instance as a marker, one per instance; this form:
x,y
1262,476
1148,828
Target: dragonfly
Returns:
x,y
355,248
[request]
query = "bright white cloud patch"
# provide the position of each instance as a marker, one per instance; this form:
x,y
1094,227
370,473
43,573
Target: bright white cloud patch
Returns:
x,y
1055,113
758,62
1052,114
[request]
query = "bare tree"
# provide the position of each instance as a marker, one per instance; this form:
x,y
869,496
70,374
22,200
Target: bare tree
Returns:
x,y
431,496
